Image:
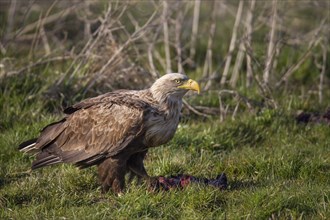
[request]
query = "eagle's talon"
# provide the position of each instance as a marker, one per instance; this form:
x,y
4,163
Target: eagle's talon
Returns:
x,y
153,184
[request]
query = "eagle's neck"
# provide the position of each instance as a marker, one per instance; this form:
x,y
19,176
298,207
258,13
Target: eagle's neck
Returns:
x,y
171,104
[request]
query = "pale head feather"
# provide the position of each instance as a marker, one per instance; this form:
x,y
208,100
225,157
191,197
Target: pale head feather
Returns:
x,y
165,89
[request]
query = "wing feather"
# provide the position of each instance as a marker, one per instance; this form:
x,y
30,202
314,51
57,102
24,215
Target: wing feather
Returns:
x,y
96,129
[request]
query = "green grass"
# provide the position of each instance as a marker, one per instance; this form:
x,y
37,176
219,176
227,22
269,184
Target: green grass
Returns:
x,y
276,169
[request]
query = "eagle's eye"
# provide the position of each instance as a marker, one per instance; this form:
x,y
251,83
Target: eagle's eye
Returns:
x,y
178,81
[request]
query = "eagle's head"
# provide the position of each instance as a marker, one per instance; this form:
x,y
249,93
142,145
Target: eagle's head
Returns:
x,y
173,86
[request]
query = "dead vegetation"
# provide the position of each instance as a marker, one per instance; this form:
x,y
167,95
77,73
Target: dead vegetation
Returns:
x,y
97,46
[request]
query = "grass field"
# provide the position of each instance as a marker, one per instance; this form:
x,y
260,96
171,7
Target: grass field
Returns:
x,y
276,169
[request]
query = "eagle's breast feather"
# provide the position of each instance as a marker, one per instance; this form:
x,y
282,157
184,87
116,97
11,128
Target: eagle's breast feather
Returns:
x,y
160,128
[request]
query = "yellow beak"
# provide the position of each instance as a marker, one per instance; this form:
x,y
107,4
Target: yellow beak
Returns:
x,y
191,85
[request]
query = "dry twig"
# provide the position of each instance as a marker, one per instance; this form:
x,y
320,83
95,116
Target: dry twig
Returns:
x,y
323,69
38,63
46,20
151,44
248,27
138,33
239,98
232,42
166,37
191,108
271,46
194,31
207,69
10,19
238,64
313,43
178,27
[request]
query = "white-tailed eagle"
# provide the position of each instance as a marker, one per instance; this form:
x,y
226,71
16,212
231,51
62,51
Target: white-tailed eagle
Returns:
x,y
114,130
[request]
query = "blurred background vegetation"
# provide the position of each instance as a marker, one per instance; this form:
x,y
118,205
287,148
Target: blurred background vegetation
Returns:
x,y
247,55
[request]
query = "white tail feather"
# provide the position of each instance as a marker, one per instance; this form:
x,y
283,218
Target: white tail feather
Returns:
x,y
28,148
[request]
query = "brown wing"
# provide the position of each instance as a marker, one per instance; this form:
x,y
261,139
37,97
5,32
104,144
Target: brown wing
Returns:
x,y
86,136
90,102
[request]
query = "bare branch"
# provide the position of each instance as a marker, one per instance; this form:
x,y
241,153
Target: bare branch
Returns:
x,y
38,63
207,69
35,37
239,98
232,42
46,20
248,26
246,40
313,43
45,40
2,49
151,50
194,29
323,69
194,110
238,64
178,29
271,45
99,33
207,110
151,60
295,66
166,37
10,19
135,36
